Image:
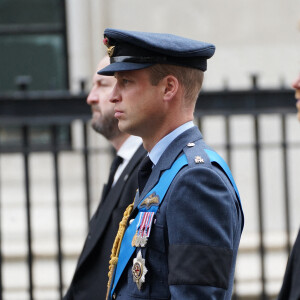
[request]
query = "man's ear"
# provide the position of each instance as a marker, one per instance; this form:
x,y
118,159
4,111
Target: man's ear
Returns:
x,y
171,86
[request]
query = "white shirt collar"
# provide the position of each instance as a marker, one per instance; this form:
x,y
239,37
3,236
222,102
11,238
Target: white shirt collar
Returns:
x,y
129,147
127,151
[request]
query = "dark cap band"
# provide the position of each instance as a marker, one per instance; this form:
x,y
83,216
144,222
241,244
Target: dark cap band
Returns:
x,y
139,59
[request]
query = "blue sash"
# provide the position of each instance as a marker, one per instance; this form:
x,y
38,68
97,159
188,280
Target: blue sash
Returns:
x,y
160,190
215,157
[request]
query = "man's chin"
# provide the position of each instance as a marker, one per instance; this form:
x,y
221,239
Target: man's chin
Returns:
x,y
96,127
123,127
96,124
127,128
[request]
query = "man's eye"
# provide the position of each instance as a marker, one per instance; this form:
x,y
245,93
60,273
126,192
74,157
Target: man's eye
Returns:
x,y
125,81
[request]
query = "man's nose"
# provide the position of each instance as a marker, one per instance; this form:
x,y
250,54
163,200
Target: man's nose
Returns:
x,y
92,97
115,95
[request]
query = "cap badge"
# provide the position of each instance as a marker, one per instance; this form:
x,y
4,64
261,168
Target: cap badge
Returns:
x,y
199,160
152,200
110,49
139,270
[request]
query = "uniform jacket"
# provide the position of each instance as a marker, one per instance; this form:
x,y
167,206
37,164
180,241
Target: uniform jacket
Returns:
x,y
90,279
192,248
290,289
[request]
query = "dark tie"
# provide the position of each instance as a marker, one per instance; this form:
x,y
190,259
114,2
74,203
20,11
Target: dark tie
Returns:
x,y
113,168
144,173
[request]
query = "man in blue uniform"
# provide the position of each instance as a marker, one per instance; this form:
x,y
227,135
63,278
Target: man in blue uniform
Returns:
x,y
182,236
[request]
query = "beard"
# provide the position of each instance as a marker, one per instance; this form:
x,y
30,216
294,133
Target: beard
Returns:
x,y
107,125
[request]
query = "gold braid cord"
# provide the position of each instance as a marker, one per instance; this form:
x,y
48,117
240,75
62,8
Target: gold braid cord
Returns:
x,y
116,246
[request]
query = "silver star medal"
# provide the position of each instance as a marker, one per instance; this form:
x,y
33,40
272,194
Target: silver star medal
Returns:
x,y
143,241
139,240
139,270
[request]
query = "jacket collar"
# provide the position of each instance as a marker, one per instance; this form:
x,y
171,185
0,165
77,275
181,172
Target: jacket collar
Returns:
x,y
169,156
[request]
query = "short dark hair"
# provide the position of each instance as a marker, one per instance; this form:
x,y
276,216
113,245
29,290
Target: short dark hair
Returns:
x,y
191,79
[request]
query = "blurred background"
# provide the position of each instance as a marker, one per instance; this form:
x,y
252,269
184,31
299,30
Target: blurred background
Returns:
x,y
53,166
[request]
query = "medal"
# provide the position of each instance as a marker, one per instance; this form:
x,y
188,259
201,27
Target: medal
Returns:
x,y
139,270
143,241
143,229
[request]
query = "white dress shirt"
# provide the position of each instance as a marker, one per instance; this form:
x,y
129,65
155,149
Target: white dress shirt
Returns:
x,y
127,151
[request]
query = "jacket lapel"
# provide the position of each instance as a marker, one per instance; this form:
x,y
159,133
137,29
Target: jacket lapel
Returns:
x,y
98,224
168,157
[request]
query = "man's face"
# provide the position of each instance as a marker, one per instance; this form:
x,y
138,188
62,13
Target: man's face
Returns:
x,y
138,105
296,86
103,120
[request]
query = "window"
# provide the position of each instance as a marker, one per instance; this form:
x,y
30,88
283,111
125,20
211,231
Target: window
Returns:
x,y
33,55
33,44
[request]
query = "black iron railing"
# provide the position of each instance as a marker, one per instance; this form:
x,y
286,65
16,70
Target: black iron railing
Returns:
x,y
25,109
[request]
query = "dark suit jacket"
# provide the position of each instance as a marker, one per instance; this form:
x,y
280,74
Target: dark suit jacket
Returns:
x,y
290,289
90,279
192,248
